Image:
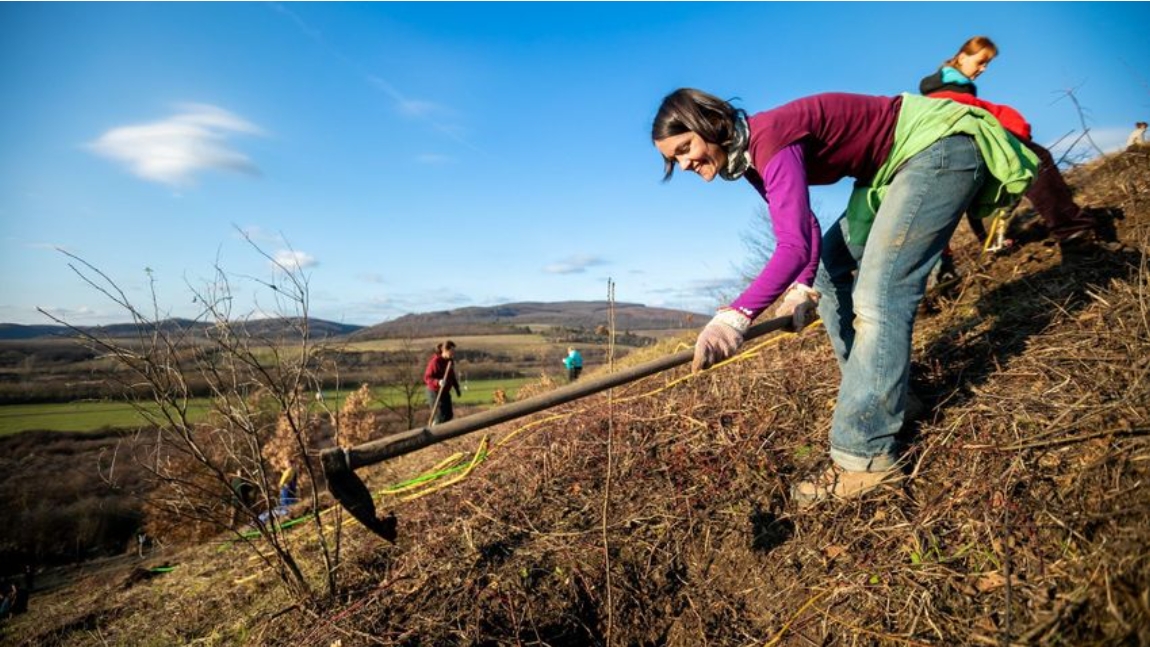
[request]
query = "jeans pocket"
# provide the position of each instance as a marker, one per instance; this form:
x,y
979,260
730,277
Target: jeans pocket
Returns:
x,y
956,153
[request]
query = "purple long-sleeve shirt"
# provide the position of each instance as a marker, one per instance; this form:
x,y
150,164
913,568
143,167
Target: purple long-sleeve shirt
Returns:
x,y
799,239
815,140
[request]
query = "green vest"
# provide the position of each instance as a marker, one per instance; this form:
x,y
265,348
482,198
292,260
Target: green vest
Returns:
x,y
921,123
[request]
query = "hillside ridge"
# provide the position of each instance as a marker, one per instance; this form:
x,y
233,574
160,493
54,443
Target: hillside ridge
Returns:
x,y
574,314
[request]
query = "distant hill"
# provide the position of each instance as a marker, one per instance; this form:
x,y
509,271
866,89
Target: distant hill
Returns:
x,y
470,320
493,319
10,331
258,327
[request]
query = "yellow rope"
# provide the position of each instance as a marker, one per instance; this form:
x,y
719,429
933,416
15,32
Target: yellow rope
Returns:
x,y
779,636
868,632
480,454
450,461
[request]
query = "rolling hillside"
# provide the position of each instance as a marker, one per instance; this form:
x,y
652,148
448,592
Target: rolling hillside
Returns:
x,y
659,513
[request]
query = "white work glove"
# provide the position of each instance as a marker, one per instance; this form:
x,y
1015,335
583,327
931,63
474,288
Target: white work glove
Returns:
x,y
720,338
800,303
440,382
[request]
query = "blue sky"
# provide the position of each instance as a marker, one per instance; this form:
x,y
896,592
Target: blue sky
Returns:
x,y
428,156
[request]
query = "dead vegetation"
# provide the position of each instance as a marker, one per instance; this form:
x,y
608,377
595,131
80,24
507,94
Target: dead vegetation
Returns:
x,y
658,514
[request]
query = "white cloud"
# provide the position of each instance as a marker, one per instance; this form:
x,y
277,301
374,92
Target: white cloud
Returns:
x,y
574,264
172,151
294,260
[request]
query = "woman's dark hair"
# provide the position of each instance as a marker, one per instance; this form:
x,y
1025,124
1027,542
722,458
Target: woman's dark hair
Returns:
x,y
706,115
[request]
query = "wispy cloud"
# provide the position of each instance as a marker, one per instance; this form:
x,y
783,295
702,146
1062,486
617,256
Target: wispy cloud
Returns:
x,y
574,264
261,236
434,114
292,259
299,22
173,150
419,108
76,316
385,307
371,277
52,247
697,296
1110,139
434,158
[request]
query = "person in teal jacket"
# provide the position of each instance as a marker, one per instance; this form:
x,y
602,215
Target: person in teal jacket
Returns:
x,y
573,363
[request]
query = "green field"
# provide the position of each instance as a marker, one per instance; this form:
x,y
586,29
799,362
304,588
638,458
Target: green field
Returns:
x,y
91,416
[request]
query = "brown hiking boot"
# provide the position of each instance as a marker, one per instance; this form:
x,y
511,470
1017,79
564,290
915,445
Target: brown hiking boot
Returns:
x,y
836,483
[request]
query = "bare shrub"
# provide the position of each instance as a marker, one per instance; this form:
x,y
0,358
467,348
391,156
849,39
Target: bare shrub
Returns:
x,y
257,376
356,421
544,384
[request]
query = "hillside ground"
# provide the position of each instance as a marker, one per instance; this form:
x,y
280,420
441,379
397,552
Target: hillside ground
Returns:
x,y
658,514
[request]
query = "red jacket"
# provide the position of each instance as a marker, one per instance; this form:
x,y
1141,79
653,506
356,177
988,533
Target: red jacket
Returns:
x,y
437,369
1011,119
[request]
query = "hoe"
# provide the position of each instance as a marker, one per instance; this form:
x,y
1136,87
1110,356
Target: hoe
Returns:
x,y
339,464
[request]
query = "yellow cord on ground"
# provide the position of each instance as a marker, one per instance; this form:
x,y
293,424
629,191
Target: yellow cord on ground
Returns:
x,y
480,454
779,636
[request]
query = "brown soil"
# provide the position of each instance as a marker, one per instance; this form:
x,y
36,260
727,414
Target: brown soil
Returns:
x,y
659,515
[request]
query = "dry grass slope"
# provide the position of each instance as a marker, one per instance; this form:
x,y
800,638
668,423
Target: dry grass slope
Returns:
x,y
658,515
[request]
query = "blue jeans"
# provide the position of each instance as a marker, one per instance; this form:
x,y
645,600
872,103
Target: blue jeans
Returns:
x,y
870,296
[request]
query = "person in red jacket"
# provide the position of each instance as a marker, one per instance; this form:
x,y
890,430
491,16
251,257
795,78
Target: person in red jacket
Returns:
x,y
439,376
1076,230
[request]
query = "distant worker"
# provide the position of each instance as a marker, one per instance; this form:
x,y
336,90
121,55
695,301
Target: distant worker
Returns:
x,y
1076,230
243,496
573,363
289,487
1138,136
440,380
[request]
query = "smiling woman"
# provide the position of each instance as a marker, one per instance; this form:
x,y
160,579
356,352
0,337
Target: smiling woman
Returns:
x,y
696,134
919,164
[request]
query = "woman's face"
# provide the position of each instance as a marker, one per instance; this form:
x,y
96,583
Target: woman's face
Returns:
x,y
693,153
971,65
